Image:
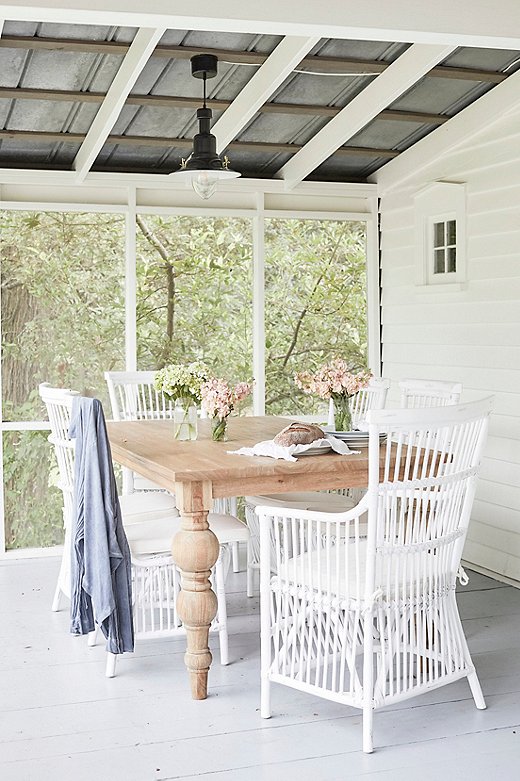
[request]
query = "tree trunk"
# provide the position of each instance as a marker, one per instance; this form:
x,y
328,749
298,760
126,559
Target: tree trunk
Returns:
x,y
157,244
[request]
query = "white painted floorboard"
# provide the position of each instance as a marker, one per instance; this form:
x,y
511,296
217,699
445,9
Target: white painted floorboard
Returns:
x,y
61,719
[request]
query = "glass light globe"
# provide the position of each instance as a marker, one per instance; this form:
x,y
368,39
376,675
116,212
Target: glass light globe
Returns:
x,y
205,183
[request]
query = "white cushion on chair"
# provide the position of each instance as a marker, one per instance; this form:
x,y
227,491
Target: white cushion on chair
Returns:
x,y
305,500
227,528
138,507
155,536
352,587
152,536
299,572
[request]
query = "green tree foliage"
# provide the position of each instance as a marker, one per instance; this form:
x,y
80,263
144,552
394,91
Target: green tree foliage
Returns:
x,y
315,288
32,500
194,296
62,304
62,282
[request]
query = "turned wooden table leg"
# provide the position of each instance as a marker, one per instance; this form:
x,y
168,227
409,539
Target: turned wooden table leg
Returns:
x,y
195,550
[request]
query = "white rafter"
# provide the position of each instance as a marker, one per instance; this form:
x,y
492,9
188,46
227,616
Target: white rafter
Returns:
x,y
429,152
287,55
378,95
136,58
459,22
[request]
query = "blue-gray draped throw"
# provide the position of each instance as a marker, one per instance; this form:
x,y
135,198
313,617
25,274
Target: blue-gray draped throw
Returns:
x,y
101,565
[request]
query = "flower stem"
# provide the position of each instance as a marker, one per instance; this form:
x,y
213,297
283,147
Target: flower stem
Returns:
x,y
218,429
342,413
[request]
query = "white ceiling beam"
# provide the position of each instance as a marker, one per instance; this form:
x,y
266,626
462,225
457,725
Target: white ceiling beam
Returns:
x,y
278,66
101,180
460,23
378,95
430,153
136,58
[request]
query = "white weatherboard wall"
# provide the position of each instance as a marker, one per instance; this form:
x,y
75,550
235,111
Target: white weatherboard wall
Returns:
x,y
470,335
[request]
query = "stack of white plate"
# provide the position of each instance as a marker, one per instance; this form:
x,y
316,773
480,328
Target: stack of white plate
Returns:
x,y
313,451
355,439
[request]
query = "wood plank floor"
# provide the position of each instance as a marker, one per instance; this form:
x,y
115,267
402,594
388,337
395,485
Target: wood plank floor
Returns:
x,y
60,718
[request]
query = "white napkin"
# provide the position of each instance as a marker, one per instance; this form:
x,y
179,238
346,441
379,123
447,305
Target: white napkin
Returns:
x,y
269,448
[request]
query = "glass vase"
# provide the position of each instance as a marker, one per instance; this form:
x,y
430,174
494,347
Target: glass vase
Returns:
x,y
185,420
342,414
219,429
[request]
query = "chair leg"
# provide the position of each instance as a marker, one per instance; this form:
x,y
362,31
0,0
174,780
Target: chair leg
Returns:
x,y
56,600
265,698
92,638
63,583
368,682
110,670
221,610
474,683
368,719
234,554
249,571
476,690
265,634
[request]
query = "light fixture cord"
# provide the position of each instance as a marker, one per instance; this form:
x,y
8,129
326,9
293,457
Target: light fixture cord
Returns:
x,y
204,80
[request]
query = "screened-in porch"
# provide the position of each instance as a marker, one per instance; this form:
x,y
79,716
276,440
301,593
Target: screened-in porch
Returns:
x,y
338,251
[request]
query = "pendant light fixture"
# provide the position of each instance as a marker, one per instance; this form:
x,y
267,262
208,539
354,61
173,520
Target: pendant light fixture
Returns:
x,y
204,168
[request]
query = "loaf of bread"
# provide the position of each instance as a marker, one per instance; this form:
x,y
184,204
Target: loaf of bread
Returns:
x,y
298,434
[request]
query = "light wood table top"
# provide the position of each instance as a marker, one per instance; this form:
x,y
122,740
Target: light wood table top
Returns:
x,y
148,447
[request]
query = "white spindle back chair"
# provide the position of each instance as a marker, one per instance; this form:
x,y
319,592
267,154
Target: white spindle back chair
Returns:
x,y
371,397
417,394
369,619
134,397
58,402
155,577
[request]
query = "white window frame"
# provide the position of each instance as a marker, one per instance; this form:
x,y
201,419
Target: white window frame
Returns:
x,y
439,202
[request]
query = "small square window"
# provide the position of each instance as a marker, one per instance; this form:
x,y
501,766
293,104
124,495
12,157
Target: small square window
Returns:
x,y
444,247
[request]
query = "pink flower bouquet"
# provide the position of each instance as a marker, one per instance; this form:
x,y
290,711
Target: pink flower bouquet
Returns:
x,y
219,399
335,381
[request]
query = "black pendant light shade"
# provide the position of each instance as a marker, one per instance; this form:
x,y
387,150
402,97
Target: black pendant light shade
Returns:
x,y
204,167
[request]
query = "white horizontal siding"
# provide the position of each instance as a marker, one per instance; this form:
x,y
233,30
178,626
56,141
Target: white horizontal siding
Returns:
x,y
490,292
505,518
464,333
454,310
472,334
493,356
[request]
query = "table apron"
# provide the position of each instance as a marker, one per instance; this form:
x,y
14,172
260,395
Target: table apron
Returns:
x,y
247,486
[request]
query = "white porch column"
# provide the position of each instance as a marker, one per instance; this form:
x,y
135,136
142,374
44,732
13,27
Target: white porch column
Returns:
x,y
130,284
258,308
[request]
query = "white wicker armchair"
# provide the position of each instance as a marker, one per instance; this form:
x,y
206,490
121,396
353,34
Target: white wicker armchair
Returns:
x,y
368,617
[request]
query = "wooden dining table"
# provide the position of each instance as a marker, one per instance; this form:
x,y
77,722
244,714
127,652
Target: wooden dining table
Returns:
x,y
202,470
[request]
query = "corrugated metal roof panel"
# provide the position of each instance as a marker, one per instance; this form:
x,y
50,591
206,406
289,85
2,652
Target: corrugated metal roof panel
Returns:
x,y
53,69
26,151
